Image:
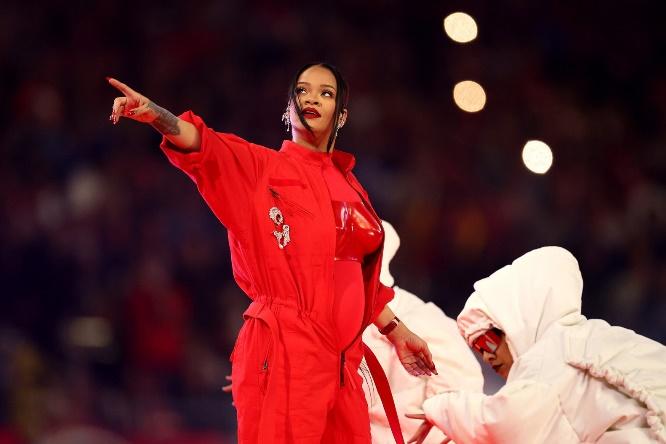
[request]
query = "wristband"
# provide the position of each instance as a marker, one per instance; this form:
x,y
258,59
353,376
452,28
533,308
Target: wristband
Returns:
x,y
388,328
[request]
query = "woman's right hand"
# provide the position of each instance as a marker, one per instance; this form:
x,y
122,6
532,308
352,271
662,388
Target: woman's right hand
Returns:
x,y
132,105
180,133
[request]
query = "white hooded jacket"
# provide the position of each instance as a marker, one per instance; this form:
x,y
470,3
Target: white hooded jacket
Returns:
x,y
456,364
573,380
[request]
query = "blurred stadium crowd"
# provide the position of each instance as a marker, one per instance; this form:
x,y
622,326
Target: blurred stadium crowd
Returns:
x,y
117,308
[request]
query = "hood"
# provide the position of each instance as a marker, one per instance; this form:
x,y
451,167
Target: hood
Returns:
x,y
391,245
523,299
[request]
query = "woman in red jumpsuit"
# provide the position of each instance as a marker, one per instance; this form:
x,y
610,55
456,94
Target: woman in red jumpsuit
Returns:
x,y
306,248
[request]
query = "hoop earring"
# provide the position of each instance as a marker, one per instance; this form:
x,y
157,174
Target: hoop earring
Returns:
x,y
285,119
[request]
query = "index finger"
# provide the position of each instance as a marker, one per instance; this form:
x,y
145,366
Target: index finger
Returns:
x,y
120,86
427,355
415,415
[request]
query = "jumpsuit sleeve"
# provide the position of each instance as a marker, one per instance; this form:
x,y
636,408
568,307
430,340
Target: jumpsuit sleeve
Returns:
x,y
226,171
520,413
384,296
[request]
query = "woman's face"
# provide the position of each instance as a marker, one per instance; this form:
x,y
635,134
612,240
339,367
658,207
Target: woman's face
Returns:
x,y
316,91
497,355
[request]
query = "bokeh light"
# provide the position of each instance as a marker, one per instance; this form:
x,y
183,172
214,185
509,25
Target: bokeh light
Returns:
x,y
460,27
89,332
469,96
537,156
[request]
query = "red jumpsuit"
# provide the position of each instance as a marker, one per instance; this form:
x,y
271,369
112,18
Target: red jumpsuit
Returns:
x,y
293,378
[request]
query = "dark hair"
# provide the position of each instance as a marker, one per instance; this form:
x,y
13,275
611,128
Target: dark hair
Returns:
x,y
341,97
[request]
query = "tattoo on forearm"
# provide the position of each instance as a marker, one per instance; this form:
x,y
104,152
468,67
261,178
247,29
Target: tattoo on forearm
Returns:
x,y
166,123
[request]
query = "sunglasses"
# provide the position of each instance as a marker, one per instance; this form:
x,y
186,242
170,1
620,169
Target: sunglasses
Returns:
x,y
488,342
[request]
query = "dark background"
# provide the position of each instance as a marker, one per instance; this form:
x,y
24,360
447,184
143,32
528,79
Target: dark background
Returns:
x,y
117,308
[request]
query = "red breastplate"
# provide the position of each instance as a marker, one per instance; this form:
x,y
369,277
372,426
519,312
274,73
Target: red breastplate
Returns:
x,y
358,232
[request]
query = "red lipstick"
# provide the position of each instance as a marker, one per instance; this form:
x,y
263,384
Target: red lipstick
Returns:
x,y
310,113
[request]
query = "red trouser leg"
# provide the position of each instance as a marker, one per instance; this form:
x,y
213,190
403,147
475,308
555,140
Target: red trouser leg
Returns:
x,y
251,367
348,420
283,392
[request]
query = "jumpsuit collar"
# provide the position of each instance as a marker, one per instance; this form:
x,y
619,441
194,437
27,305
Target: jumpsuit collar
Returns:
x,y
343,160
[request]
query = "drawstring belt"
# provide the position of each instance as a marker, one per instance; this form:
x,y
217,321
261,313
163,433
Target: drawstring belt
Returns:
x,y
384,390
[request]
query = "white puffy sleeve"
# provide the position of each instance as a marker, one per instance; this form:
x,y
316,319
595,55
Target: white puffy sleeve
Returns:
x,y
523,412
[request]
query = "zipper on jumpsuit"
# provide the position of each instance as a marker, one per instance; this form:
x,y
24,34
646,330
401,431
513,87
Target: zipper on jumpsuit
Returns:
x,y
264,368
360,332
296,206
289,202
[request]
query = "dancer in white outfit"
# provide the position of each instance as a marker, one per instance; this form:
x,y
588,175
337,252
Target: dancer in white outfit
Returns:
x,y
569,379
456,364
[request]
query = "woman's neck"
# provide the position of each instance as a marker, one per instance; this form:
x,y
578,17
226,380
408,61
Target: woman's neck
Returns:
x,y
312,141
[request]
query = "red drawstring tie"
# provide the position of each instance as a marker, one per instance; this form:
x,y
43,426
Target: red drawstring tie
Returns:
x,y
384,390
